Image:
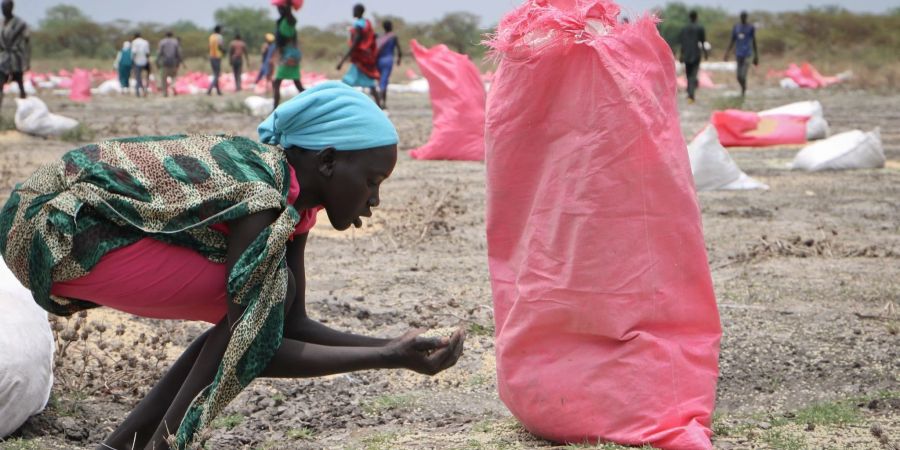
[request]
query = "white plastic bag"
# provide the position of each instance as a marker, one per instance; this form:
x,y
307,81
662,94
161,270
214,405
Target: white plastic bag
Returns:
x,y
851,150
108,87
259,106
13,88
713,167
26,354
33,117
816,126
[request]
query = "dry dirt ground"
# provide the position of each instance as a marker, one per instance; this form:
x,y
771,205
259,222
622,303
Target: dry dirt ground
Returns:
x,y
807,277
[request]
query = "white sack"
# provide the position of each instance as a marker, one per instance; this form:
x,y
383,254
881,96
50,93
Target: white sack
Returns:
x,y
33,117
26,354
713,167
851,150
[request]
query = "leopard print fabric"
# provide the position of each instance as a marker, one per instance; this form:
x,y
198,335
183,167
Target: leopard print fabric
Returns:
x,y
59,223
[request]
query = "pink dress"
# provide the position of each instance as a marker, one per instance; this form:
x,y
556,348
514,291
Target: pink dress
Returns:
x,y
162,281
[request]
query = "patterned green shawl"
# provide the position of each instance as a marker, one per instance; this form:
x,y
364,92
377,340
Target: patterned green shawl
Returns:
x,y
57,224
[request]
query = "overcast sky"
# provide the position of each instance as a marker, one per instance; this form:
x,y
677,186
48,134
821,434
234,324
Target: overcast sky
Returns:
x,y
324,12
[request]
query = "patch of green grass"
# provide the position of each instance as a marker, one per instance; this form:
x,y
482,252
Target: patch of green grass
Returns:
x,y
19,444
228,422
7,124
723,427
205,105
604,446
302,434
235,106
783,439
477,329
379,441
836,413
728,102
81,133
388,402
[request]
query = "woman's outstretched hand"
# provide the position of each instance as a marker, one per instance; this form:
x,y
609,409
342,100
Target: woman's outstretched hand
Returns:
x,y
424,355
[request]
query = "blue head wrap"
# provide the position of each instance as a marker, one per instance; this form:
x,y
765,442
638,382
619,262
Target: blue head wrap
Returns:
x,y
331,114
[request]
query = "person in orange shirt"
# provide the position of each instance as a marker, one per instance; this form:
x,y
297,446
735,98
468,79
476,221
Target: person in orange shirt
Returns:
x,y
216,50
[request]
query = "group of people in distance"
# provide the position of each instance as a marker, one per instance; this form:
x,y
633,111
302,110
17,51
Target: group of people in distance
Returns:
x,y
372,57
694,45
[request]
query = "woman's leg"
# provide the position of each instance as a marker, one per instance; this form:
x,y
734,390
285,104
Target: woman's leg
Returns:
x,y
200,375
137,428
299,85
276,91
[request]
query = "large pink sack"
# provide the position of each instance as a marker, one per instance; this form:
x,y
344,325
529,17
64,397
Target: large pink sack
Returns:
x,y
606,320
457,103
738,128
81,86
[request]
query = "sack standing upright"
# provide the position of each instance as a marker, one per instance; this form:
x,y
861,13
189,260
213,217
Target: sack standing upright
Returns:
x,y
606,321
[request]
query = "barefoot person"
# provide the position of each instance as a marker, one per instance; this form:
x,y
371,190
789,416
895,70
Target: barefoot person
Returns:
x,y
289,55
388,45
214,228
15,50
362,53
743,40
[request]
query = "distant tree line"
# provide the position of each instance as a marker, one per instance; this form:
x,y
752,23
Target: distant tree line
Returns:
x,y
826,33
817,33
66,31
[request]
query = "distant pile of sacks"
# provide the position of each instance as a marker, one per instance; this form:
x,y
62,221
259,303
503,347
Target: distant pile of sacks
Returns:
x,y
806,76
80,84
796,123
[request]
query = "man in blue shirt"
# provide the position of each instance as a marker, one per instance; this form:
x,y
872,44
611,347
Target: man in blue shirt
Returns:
x,y
742,36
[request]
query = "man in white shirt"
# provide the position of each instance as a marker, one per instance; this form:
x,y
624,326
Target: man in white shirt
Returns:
x,y
140,56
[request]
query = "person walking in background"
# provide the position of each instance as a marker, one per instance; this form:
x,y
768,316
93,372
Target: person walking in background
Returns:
x,y
266,68
743,35
123,65
289,55
693,43
362,53
15,50
216,50
168,59
388,45
140,57
237,54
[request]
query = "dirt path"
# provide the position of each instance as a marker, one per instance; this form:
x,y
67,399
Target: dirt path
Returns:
x,y
807,277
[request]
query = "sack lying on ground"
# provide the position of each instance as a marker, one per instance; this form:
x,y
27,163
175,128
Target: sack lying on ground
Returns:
x,y
713,167
457,104
26,354
606,322
851,150
259,106
33,117
816,126
748,129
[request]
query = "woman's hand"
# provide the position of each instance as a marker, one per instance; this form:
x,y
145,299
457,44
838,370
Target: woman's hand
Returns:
x,y
427,356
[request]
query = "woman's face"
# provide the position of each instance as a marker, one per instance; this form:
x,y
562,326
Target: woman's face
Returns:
x,y
352,190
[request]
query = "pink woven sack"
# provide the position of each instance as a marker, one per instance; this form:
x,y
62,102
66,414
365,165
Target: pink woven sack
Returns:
x,y
457,103
606,321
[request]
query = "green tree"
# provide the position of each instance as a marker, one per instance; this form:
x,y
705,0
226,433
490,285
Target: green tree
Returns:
x,y
675,17
252,23
460,31
65,30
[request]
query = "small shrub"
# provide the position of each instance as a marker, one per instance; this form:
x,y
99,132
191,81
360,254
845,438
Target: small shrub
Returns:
x,y
81,133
